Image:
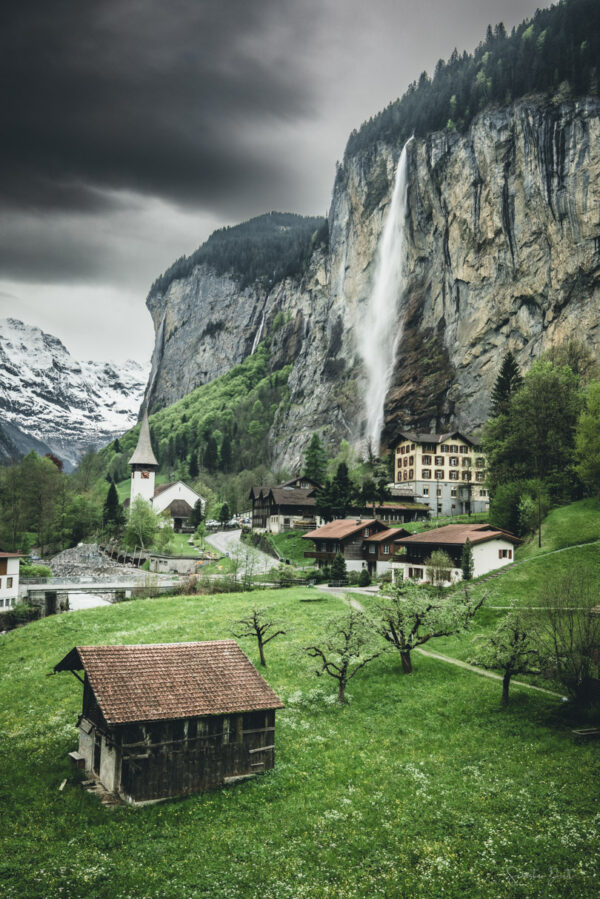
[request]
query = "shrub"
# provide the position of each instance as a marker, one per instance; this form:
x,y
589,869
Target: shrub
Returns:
x,y
364,579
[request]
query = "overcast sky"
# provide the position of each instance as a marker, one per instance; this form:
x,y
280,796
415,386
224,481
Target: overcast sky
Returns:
x,y
131,129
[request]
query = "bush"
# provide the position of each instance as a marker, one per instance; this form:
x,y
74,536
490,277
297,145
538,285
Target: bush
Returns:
x,y
28,569
22,613
364,579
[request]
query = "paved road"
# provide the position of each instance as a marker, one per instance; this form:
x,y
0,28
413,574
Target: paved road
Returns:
x,y
229,542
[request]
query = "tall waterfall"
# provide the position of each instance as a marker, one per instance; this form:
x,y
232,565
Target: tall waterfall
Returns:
x,y
258,335
380,328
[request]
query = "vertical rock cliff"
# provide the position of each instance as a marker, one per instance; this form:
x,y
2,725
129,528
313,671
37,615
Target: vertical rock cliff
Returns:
x,y
502,250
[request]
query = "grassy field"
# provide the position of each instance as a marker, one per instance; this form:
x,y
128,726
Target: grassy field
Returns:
x,y
420,786
292,546
577,523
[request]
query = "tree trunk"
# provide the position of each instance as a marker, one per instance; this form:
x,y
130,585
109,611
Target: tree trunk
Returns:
x,y
262,653
505,686
341,691
406,661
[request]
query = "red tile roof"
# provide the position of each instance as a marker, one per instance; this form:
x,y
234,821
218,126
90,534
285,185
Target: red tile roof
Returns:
x,y
342,527
171,680
390,534
10,555
456,534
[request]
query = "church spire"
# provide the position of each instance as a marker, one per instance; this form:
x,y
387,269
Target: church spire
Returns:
x,y
143,454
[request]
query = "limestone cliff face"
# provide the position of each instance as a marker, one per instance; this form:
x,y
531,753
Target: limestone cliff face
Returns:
x,y
502,251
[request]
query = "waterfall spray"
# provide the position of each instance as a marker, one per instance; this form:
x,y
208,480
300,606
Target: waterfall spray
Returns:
x,y
381,332
258,335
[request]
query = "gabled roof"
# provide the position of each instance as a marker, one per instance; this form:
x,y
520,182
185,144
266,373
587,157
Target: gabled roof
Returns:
x,y
390,534
343,527
457,534
143,453
301,478
10,555
171,680
293,496
179,508
434,438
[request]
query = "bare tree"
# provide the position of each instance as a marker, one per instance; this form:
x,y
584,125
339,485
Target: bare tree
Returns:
x,y
347,647
258,625
570,625
409,616
513,648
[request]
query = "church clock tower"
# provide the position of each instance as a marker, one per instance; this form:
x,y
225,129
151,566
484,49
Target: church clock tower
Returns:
x,y
143,465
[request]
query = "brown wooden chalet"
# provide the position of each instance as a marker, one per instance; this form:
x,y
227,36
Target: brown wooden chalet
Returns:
x,y
287,506
364,543
171,719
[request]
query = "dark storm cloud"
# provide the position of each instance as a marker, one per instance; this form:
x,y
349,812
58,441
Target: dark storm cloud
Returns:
x,y
160,98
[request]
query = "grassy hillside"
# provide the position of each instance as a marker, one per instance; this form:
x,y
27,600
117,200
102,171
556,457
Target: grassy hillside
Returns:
x,y
576,523
420,786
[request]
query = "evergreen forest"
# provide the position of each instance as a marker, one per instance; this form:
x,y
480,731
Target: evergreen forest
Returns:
x,y
554,53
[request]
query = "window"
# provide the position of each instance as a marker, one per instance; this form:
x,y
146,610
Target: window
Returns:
x,y
366,532
479,462
411,460
466,475
453,491
426,460
439,491
480,476
439,460
411,474
454,448
415,572
445,449
439,475
454,505
386,549
464,449
453,476
0,582
412,446
466,463
371,548
483,493
454,461
405,476
505,553
426,474
425,491
9,582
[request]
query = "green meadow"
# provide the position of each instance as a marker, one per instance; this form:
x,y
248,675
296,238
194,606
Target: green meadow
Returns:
x,y
419,786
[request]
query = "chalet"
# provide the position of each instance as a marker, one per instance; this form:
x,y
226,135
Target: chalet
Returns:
x,y
447,471
177,499
287,506
171,719
364,543
9,579
492,548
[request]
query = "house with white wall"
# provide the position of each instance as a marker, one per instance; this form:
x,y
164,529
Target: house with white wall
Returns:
x,y
492,548
9,579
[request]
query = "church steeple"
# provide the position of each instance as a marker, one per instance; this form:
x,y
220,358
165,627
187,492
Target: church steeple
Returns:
x,y
143,453
143,465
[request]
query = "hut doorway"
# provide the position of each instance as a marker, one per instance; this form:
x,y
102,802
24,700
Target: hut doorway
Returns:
x,y
97,752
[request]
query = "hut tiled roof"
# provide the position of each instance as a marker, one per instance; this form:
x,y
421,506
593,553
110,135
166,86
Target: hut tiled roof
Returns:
x,y
342,527
161,681
10,555
457,534
293,496
143,453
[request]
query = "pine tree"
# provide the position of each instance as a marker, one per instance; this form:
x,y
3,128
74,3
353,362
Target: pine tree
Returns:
x,y
193,466
117,446
211,456
466,560
226,454
112,511
315,460
507,383
338,569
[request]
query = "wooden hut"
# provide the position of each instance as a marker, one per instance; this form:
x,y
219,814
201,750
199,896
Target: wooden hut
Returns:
x,y
170,719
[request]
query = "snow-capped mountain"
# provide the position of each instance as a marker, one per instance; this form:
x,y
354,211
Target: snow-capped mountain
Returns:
x,y
69,406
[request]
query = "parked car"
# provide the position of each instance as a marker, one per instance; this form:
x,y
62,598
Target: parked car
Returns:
x,y
211,523
233,523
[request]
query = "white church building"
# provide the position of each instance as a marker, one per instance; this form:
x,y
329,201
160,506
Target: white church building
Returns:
x,y
178,499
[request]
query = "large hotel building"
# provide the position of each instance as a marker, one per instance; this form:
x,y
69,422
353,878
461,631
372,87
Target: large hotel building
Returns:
x,y
447,471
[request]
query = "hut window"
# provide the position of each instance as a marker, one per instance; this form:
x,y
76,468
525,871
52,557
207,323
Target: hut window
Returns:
x,y
179,729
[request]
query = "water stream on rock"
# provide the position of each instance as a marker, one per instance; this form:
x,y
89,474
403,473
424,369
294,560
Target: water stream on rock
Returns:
x,y
258,335
381,329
